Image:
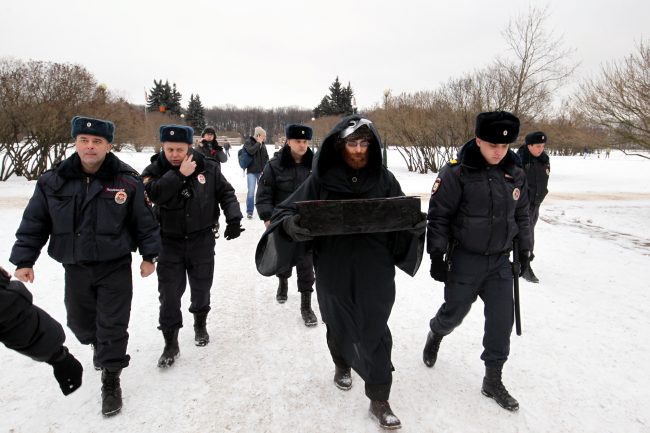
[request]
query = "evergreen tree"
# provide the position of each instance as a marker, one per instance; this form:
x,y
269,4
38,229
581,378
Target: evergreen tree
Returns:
x,y
195,114
164,98
338,102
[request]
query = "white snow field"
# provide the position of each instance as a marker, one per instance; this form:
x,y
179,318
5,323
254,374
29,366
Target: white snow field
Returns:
x,y
581,365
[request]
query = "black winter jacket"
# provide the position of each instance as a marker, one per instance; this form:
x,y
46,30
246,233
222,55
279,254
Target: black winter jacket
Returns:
x,y
280,178
259,153
481,207
188,205
537,171
24,327
212,149
88,218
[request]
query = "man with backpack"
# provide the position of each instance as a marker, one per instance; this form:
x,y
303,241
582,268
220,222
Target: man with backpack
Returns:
x,y
255,148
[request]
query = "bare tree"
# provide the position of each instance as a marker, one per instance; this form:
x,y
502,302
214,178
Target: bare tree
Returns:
x,y
539,65
619,99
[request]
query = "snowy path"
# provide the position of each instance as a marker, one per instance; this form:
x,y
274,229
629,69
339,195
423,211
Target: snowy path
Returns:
x,y
582,364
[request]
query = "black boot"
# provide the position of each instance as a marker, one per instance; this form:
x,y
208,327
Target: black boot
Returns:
x,y
111,391
342,377
171,351
529,275
201,337
381,411
305,309
430,353
283,287
493,388
96,365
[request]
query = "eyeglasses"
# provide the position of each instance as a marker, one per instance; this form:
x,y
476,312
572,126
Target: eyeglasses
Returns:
x,y
356,143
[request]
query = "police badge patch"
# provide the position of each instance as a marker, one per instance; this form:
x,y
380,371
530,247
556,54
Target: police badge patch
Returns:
x,y
436,185
201,178
516,193
120,197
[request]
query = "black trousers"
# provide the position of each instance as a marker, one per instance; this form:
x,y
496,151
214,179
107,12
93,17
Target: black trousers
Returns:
x,y
98,302
179,260
533,215
489,277
305,272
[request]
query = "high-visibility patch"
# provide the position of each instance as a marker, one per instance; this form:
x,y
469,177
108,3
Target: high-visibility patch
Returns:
x,y
516,193
435,186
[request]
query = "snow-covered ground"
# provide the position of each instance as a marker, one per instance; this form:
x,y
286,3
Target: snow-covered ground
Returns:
x,y
582,364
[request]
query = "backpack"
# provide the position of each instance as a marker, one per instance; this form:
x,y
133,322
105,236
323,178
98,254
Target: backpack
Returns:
x,y
245,158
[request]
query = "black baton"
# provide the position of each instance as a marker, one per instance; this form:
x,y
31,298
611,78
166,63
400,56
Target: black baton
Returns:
x,y
516,270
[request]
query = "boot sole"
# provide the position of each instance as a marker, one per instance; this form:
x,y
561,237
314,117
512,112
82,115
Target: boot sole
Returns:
x,y
511,409
113,412
386,427
343,387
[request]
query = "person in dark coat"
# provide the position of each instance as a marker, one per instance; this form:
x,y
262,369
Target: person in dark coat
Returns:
x,y
93,209
32,332
538,169
187,190
479,203
209,146
256,147
355,274
284,173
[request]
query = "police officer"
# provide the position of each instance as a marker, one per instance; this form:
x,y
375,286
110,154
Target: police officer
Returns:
x,y
288,168
32,332
93,209
538,169
187,190
478,204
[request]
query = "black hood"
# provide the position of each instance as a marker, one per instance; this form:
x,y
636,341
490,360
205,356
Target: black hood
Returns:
x,y
470,156
329,154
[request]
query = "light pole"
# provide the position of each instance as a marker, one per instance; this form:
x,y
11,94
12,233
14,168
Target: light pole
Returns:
x,y
385,150
313,138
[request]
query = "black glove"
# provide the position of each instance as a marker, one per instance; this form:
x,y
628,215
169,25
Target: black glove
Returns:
x,y
67,371
233,230
291,226
438,268
420,227
524,261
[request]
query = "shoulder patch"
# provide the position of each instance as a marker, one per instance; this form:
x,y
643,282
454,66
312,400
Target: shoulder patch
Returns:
x,y
435,186
453,162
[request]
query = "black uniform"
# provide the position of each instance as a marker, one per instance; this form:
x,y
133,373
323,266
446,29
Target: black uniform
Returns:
x,y
538,170
280,178
93,223
475,211
188,209
355,274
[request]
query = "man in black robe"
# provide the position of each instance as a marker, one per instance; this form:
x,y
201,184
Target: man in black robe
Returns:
x,y
355,273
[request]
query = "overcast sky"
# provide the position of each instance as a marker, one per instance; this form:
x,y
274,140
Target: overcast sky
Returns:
x,y
273,53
